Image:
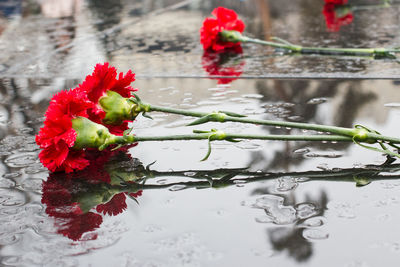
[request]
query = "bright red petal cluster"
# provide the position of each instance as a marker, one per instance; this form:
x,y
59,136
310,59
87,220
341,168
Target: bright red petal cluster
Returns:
x,y
57,137
103,79
225,19
333,23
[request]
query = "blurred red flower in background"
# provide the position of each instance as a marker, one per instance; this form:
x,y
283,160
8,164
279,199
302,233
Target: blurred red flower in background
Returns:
x,y
336,14
225,19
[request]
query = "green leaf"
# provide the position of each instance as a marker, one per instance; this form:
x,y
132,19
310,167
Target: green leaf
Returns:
x,y
232,114
208,151
200,121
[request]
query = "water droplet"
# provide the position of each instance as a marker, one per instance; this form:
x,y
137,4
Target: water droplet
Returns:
x,y
11,260
35,168
161,181
301,151
314,222
273,206
295,118
317,101
255,96
315,234
177,187
190,174
11,198
306,210
286,184
263,219
25,130
8,239
21,160
12,174
6,183
33,184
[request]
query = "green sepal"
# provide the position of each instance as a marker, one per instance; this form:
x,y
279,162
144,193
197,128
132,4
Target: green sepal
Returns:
x,y
144,114
230,36
201,120
117,108
91,135
232,114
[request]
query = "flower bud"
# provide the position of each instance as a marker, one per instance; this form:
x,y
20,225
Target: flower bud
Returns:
x,y
361,135
91,134
117,108
230,36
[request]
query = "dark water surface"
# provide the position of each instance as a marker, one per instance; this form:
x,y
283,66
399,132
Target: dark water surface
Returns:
x,y
252,203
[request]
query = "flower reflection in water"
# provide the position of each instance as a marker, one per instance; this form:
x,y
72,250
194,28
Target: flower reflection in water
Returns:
x,y
337,13
227,63
78,201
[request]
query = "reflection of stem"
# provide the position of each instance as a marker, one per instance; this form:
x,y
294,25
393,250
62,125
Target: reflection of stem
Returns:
x,y
231,136
232,177
369,7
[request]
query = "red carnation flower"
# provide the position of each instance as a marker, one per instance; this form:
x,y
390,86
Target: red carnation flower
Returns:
x,y
103,79
225,19
336,2
214,64
57,137
333,22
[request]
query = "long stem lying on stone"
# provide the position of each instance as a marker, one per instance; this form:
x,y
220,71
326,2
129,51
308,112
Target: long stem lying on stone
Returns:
x,y
235,37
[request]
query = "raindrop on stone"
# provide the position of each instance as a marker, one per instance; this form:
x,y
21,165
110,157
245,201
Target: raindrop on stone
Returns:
x,y
263,219
315,234
286,184
314,222
306,210
21,160
6,183
177,188
301,151
161,181
317,100
12,174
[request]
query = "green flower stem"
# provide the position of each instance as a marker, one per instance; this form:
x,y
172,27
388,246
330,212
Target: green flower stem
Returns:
x,y
230,137
222,117
234,36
